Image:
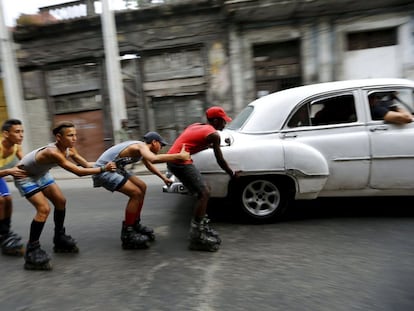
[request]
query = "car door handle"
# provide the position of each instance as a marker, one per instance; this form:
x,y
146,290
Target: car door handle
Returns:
x,y
379,128
291,135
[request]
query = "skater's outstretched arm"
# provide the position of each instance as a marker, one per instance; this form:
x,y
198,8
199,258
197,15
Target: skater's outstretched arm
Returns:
x,y
19,152
161,158
84,171
14,171
214,140
53,155
74,154
153,169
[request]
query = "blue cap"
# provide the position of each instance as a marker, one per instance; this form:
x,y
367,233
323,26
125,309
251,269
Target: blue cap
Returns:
x,y
150,136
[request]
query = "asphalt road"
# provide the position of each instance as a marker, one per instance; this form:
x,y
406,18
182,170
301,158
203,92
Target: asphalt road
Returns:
x,y
326,255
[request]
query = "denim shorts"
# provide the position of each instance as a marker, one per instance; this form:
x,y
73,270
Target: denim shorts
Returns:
x,y
111,181
189,175
28,186
4,189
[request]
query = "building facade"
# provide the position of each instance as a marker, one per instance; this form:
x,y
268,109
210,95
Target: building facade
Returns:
x,y
181,58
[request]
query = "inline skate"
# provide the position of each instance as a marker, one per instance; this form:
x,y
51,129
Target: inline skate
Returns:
x,y
210,231
11,244
64,243
132,239
201,238
147,231
36,258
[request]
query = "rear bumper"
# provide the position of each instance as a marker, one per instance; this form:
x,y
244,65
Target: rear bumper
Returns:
x,y
175,187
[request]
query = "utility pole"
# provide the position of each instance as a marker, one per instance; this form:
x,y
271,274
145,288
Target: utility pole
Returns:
x,y
12,82
113,67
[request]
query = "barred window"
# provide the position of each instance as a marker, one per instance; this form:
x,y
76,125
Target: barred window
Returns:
x,y
371,39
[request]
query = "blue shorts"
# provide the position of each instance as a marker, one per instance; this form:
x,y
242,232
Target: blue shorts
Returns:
x,y
189,175
4,189
31,185
111,181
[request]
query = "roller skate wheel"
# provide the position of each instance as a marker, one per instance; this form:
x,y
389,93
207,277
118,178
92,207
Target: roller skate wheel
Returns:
x,y
13,252
203,247
151,237
40,267
73,250
144,245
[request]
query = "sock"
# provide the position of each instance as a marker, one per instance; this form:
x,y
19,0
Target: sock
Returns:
x,y
130,218
3,227
139,210
7,221
138,216
36,229
59,218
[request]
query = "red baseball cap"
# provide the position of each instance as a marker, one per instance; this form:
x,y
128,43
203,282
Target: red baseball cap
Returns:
x,y
217,112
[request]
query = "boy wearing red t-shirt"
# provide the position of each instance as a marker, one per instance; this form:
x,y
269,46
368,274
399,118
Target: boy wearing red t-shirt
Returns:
x,y
197,137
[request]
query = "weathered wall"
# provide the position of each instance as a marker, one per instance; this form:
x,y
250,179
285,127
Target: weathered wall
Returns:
x,y
200,53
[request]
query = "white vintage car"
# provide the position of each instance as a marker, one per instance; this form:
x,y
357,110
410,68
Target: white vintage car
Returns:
x,y
313,141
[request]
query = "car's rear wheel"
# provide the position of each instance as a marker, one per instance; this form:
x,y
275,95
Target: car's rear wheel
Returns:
x,y
262,200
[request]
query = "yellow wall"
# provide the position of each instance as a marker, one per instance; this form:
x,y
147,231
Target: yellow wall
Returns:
x,y
3,106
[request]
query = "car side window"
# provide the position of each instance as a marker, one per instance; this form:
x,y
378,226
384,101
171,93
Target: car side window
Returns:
x,y
381,101
334,110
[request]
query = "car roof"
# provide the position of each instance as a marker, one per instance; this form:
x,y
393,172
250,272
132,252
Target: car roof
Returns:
x,y
279,104
320,88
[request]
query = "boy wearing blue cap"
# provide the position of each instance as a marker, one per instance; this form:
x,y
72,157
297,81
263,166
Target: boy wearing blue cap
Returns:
x,y
134,235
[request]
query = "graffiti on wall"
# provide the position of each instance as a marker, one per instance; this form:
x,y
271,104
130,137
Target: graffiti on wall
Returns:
x,y
219,72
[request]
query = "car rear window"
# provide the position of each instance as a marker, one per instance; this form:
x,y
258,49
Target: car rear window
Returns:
x,y
241,118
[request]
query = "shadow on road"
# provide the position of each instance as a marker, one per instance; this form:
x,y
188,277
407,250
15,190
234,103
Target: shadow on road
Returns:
x,y
352,207
325,208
